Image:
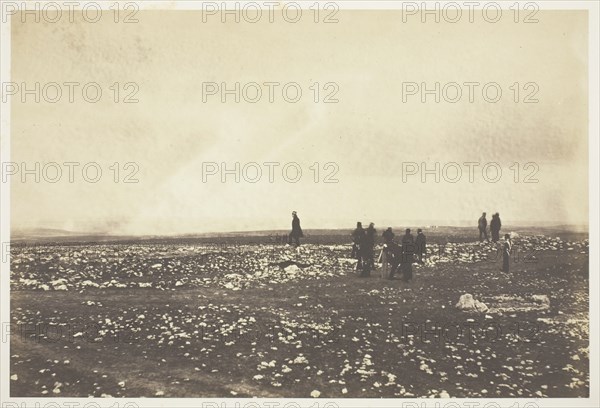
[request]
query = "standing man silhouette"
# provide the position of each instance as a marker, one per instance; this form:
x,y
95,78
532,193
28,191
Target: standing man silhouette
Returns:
x,y
296,233
408,250
495,226
368,249
390,255
482,224
356,238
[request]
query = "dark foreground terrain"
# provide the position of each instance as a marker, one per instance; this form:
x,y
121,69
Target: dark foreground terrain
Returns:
x,y
178,318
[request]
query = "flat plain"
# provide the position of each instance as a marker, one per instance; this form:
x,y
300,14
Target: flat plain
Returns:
x,y
248,316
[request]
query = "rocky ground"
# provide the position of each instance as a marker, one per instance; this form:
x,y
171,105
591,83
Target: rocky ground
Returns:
x,y
179,319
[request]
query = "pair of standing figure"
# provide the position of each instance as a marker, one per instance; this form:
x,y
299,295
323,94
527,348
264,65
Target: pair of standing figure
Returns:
x,y
395,257
495,226
363,245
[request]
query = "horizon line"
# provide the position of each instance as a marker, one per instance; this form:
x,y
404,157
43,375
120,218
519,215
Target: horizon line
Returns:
x,y
24,232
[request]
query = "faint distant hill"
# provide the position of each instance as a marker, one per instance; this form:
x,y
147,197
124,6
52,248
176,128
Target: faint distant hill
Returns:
x,y
54,234
42,232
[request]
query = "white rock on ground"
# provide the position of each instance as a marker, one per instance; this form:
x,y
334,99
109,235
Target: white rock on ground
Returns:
x,y
541,299
292,269
467,303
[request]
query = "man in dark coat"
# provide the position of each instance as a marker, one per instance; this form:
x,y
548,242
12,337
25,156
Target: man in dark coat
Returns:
x,y
495,226
356,236
482,225
388,236
408,250
368,248
358,242
296,233
421,245
392,251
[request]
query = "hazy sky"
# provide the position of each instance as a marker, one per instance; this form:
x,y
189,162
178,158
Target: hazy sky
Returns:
x,y
369,133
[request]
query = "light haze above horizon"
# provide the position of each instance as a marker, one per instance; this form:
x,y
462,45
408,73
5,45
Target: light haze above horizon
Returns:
x,y
368,134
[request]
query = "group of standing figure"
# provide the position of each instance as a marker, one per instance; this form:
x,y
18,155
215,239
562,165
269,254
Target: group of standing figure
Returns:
x,y
400,257
394,257
495,226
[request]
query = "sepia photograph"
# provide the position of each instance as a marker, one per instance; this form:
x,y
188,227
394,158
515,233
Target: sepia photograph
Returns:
x,y
299,204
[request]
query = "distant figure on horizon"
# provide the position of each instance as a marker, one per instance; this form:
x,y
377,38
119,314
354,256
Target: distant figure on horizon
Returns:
x,y
358,231
408,250
482,224
296,233
359,237
388,236
495,226
506,253
421,245
368,248
390,255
